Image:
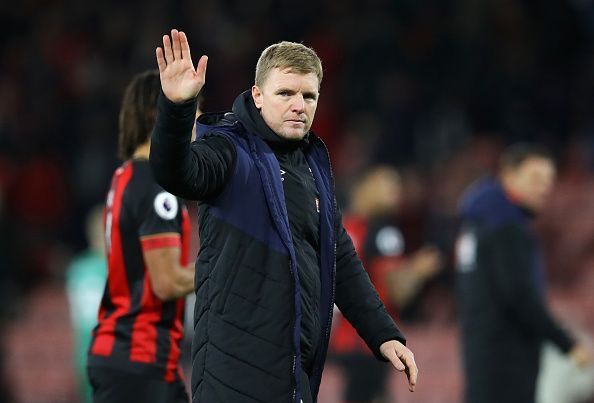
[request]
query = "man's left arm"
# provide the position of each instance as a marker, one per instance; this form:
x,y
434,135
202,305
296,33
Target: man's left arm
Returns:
x,y
359,302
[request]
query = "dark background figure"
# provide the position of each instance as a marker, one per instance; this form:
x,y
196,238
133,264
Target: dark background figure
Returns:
x,y
501,281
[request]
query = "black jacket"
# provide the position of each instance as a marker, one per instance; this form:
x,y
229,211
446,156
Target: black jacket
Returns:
x,y
302,200
254,314
501,298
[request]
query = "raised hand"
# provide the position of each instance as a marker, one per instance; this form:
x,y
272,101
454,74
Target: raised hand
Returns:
x,y
179,80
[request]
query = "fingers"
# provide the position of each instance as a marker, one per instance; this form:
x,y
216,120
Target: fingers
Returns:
x,y
391,355
412,372
176,48
185,46
402,359
167,48
176,44
161,60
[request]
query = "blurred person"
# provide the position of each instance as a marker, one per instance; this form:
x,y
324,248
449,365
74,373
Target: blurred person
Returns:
x,y
374,198
135,351
85,282
274,256
501,285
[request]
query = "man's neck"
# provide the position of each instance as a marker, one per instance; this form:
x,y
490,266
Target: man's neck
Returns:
x,y
142,152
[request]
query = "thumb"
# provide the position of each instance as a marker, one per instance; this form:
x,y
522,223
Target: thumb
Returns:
x,y
201,68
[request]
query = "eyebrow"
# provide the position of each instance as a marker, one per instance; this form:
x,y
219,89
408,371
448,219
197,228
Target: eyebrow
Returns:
x,y
306,94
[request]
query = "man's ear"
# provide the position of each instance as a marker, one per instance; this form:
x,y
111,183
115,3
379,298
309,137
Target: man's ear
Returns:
x,y
257,96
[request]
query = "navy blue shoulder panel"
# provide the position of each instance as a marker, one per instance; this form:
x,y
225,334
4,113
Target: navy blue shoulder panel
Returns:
x,y
486,203
251,214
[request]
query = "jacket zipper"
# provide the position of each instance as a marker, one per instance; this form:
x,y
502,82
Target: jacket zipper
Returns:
x,y
334,207
293,372
335,229
294,354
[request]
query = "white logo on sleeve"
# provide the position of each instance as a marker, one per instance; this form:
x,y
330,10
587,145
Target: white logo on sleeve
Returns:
x,y
166,205
466,252
389,241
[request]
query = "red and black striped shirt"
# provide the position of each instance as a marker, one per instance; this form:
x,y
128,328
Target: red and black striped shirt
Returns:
x,y
137,331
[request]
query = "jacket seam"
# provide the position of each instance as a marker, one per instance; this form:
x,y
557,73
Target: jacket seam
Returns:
x,y
232,388
245,362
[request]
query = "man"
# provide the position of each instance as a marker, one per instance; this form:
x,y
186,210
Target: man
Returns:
x,y
501,281
274,256
134,354
398,279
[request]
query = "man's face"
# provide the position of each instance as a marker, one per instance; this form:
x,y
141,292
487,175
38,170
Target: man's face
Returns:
x,y
288,102
385,190
531,181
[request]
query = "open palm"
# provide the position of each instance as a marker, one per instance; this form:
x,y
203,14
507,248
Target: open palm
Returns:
x,y
179,80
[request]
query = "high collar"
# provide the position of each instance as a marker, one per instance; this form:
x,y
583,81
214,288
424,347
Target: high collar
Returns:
x,y
516,201
245,110
487,199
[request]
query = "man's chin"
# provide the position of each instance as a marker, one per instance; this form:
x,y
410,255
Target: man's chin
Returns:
x,y
292,135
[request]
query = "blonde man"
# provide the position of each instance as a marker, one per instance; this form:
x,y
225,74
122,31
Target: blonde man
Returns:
x,y
274,256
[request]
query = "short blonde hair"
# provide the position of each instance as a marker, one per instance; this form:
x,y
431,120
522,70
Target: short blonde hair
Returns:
x,y
295,56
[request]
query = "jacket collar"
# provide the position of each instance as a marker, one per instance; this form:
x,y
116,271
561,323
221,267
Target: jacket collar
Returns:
x,y
246,112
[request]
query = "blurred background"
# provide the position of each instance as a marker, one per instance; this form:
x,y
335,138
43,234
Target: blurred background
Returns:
x,y
433,88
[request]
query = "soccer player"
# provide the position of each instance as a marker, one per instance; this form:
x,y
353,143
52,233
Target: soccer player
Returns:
x,y
134,354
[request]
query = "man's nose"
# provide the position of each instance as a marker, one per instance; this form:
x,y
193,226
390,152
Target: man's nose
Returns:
x,y
298,103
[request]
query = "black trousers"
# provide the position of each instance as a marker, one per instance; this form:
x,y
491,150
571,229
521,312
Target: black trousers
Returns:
x,y
114,386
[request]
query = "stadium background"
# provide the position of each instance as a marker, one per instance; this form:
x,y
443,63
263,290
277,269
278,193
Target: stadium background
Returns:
x,y
435,88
